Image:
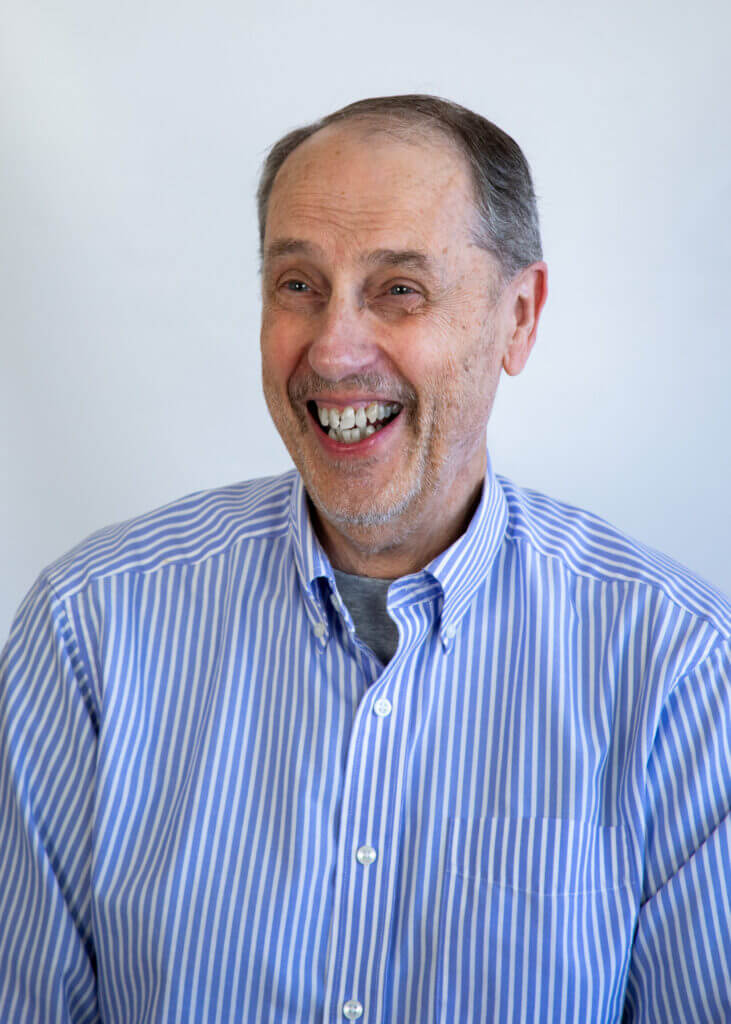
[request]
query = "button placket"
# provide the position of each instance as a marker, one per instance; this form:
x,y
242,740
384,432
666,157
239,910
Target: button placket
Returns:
x,y
358,866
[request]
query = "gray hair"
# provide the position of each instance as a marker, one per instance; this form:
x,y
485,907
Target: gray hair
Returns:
x,y
507,215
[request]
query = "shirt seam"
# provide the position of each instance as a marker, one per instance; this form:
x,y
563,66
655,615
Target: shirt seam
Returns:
x,y
699,665
676,683
685,863
72,648
597,575
63,594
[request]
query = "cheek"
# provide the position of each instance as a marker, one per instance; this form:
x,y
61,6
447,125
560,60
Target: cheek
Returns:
x,y
279,352
468,386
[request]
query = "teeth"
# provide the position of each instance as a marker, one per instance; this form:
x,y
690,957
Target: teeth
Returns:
x,y
354,434
351,424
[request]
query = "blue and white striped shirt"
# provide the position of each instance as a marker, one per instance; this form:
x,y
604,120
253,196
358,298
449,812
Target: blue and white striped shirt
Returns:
x,y
216,805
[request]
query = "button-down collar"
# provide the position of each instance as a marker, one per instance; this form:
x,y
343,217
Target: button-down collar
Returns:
x,y
310,559
464,566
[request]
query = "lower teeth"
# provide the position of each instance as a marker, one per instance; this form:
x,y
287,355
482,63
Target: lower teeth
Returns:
x,y
354,435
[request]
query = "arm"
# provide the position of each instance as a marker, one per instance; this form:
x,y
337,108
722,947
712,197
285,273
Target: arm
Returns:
x,y
680,969
48,729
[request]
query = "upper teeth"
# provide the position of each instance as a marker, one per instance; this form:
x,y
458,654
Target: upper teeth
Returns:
x,y
349,417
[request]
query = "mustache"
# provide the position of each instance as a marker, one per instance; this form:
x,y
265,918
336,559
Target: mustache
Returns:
x,y
311,385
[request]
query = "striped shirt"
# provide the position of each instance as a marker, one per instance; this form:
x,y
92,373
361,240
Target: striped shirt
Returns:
x,y
217,805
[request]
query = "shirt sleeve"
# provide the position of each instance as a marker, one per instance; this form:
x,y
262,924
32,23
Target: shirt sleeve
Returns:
x,y
680,968
48,730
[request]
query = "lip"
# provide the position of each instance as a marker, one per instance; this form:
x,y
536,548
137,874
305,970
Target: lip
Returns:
x,y
342,401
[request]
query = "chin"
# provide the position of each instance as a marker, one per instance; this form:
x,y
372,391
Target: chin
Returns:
x,y
359,518
363,513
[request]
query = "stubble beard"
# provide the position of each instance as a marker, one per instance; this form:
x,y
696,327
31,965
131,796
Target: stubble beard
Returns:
x,y
396,502
384,508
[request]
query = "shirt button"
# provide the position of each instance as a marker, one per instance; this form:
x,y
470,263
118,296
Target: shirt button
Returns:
x,y
450,631
366,855
383,707
353,1009
319,629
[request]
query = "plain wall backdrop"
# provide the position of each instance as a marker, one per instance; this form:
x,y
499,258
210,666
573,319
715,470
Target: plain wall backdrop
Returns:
x,y
130,141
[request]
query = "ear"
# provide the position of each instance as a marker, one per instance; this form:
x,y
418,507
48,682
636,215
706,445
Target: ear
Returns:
x,y
526,295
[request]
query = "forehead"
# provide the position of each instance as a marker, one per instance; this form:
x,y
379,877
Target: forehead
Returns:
x,y
347,186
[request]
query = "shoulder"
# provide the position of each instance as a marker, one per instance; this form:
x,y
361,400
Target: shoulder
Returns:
x,y
589,547
189,530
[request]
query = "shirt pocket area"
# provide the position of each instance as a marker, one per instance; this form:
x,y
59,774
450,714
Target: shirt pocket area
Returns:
x,y
536,920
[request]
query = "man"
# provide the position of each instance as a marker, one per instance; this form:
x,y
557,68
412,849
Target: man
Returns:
x,y
386,738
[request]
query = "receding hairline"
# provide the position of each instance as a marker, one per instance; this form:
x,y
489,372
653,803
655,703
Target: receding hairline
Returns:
x,y
409,129
406,126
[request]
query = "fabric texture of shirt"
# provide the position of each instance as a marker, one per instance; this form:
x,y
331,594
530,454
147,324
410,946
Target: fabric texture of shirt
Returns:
x,y
366,599
216,804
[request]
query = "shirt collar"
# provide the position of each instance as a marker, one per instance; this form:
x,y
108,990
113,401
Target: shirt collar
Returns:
x,y
463,567
457,572
309,557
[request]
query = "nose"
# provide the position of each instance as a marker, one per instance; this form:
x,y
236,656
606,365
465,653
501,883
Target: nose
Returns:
x,y
344,343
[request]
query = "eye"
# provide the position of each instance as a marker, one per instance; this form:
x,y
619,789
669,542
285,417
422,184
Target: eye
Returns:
x,y
401,289
296,286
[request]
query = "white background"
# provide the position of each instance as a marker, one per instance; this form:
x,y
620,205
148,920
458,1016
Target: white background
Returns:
x,y
131,137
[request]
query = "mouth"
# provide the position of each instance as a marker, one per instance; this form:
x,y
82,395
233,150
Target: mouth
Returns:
x,y
351,424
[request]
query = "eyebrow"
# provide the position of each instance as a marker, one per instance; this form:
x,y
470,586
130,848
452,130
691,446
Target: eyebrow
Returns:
x,y
290,246
412,258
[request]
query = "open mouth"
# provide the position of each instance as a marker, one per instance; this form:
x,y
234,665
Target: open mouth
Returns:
x,y
352,423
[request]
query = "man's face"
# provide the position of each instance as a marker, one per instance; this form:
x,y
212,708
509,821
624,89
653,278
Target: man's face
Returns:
x,y
380,316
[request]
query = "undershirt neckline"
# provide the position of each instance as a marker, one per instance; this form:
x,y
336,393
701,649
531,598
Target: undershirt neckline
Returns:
x,y
365,598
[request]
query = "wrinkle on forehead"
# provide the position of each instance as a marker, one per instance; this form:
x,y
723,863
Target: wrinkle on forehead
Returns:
x,y
332,182
361,223
422,220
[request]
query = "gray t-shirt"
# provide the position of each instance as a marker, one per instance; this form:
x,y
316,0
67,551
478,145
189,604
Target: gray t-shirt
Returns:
x,y
365,599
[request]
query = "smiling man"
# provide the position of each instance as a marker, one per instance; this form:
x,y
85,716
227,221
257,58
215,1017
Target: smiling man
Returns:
x,y
385,738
